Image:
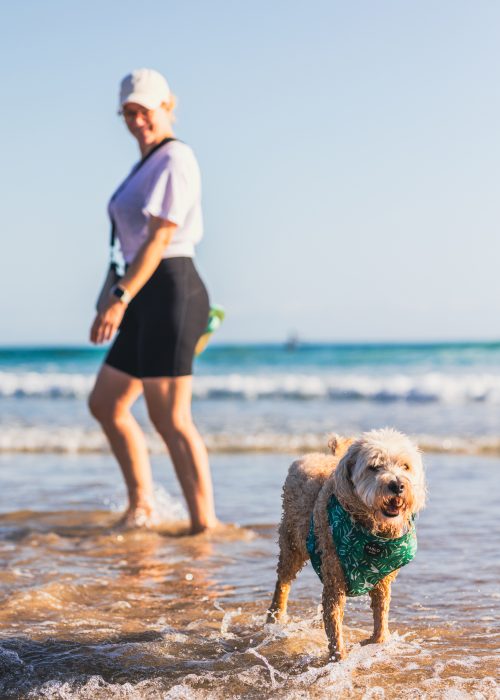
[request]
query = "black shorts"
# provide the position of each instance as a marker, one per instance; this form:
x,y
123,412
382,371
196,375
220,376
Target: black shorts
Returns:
x,y
163,323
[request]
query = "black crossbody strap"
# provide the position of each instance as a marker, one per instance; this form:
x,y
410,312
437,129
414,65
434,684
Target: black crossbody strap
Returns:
x,y
135,170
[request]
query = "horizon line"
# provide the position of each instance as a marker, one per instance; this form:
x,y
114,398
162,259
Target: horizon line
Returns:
x,y
269,343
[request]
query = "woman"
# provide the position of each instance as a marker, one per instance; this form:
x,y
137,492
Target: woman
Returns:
x,y
159,307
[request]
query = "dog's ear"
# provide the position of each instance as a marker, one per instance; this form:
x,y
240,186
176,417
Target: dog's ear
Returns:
x,y
343,471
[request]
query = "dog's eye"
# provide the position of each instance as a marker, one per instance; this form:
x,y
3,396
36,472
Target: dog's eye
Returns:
x,y
374,467
406,467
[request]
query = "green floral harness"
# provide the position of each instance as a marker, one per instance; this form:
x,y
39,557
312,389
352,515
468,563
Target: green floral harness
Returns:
x,y
365,558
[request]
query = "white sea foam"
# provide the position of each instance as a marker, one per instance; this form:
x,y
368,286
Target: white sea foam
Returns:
x,y
429,386
334,680
45,384
80,440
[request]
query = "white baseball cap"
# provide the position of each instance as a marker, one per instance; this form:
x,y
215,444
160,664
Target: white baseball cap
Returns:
x,y
146,87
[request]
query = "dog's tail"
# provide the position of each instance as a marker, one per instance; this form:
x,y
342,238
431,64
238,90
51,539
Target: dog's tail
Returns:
x,y
339,444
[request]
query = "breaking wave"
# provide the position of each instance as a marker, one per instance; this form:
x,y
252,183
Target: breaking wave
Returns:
x,y
423,387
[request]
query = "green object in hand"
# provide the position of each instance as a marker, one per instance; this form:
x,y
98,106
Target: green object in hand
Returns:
x,y
215,318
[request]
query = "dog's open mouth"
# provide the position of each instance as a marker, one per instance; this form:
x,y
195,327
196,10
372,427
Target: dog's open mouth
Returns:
x,y
392,507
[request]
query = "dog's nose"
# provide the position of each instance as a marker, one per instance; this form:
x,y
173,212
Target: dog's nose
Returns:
x,y
396,487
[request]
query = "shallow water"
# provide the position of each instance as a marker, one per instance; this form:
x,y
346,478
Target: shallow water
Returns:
x,y
91,612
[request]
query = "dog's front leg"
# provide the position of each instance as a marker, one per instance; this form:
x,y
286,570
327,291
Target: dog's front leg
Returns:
x,y
334,596
334,589
381,599
277,609
333,615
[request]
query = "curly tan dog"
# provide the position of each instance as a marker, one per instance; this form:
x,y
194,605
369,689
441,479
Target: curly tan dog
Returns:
x,y
362,500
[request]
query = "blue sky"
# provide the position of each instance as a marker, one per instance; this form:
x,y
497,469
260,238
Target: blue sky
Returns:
x,y
349,152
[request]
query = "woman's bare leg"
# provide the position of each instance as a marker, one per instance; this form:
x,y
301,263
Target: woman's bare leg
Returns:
x,y
169,406
110,402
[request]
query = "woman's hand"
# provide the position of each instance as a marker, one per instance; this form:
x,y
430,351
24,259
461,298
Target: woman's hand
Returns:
x,y
106,323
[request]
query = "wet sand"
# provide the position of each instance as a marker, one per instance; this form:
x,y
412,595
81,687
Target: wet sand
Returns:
x,y
91,612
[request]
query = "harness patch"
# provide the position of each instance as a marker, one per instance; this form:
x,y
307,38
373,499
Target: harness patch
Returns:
x,y
373,549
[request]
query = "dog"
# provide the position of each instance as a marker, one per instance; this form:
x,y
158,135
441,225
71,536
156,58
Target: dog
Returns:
x,y
352,513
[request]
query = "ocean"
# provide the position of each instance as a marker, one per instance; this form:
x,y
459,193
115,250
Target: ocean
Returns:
x,y
89,611
267,398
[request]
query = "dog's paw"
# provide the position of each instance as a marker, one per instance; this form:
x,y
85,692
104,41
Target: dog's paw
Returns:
x,y
337,654
376,639
274,616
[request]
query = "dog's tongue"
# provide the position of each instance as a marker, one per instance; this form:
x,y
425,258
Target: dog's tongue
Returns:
x,y
392,507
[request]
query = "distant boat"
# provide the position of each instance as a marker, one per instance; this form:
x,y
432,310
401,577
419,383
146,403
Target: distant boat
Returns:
x,y
292,342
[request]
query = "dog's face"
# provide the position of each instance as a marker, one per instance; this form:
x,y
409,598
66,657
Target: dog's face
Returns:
x,y
386,473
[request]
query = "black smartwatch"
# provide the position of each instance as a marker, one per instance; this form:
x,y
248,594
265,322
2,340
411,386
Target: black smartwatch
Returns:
x,y
121,294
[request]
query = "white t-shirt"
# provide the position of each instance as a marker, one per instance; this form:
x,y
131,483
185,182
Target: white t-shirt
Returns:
x,y
167,185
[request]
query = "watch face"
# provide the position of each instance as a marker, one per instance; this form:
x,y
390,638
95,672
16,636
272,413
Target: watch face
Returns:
x,y
118,292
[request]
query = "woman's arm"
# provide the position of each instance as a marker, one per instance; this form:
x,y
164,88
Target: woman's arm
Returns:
x,y
103,298
148,258
149,255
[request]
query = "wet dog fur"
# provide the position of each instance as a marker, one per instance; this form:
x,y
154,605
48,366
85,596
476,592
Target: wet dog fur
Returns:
x,y
379,479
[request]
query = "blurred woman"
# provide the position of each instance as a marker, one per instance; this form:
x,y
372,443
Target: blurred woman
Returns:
x,y
158,309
